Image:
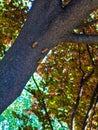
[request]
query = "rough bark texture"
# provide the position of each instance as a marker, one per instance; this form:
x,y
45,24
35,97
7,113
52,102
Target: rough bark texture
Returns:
x,y
47,25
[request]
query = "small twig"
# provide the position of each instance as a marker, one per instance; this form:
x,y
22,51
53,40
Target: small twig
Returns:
x,y
80,67
88,50
82,81
87,24
94,110
44,104
63,127
90,106
77,103
28,91
79,94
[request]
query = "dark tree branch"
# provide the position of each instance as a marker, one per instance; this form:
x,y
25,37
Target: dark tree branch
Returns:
x,y
94,110
77,102
83,38
91,59
90,106
80,92
80,64
82,81
44,104
88,24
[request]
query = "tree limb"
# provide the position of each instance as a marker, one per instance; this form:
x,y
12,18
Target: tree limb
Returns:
x,y
82,38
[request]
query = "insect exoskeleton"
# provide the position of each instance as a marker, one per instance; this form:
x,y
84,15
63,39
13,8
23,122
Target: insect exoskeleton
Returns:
x,y
34,44
44,50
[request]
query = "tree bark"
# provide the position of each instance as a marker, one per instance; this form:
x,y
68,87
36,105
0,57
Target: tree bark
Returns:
x,y
47,25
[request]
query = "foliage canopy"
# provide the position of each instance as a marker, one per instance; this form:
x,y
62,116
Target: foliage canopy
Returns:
x,y
69,92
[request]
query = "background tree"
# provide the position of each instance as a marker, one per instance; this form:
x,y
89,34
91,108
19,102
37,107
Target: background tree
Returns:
x,y
12,16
